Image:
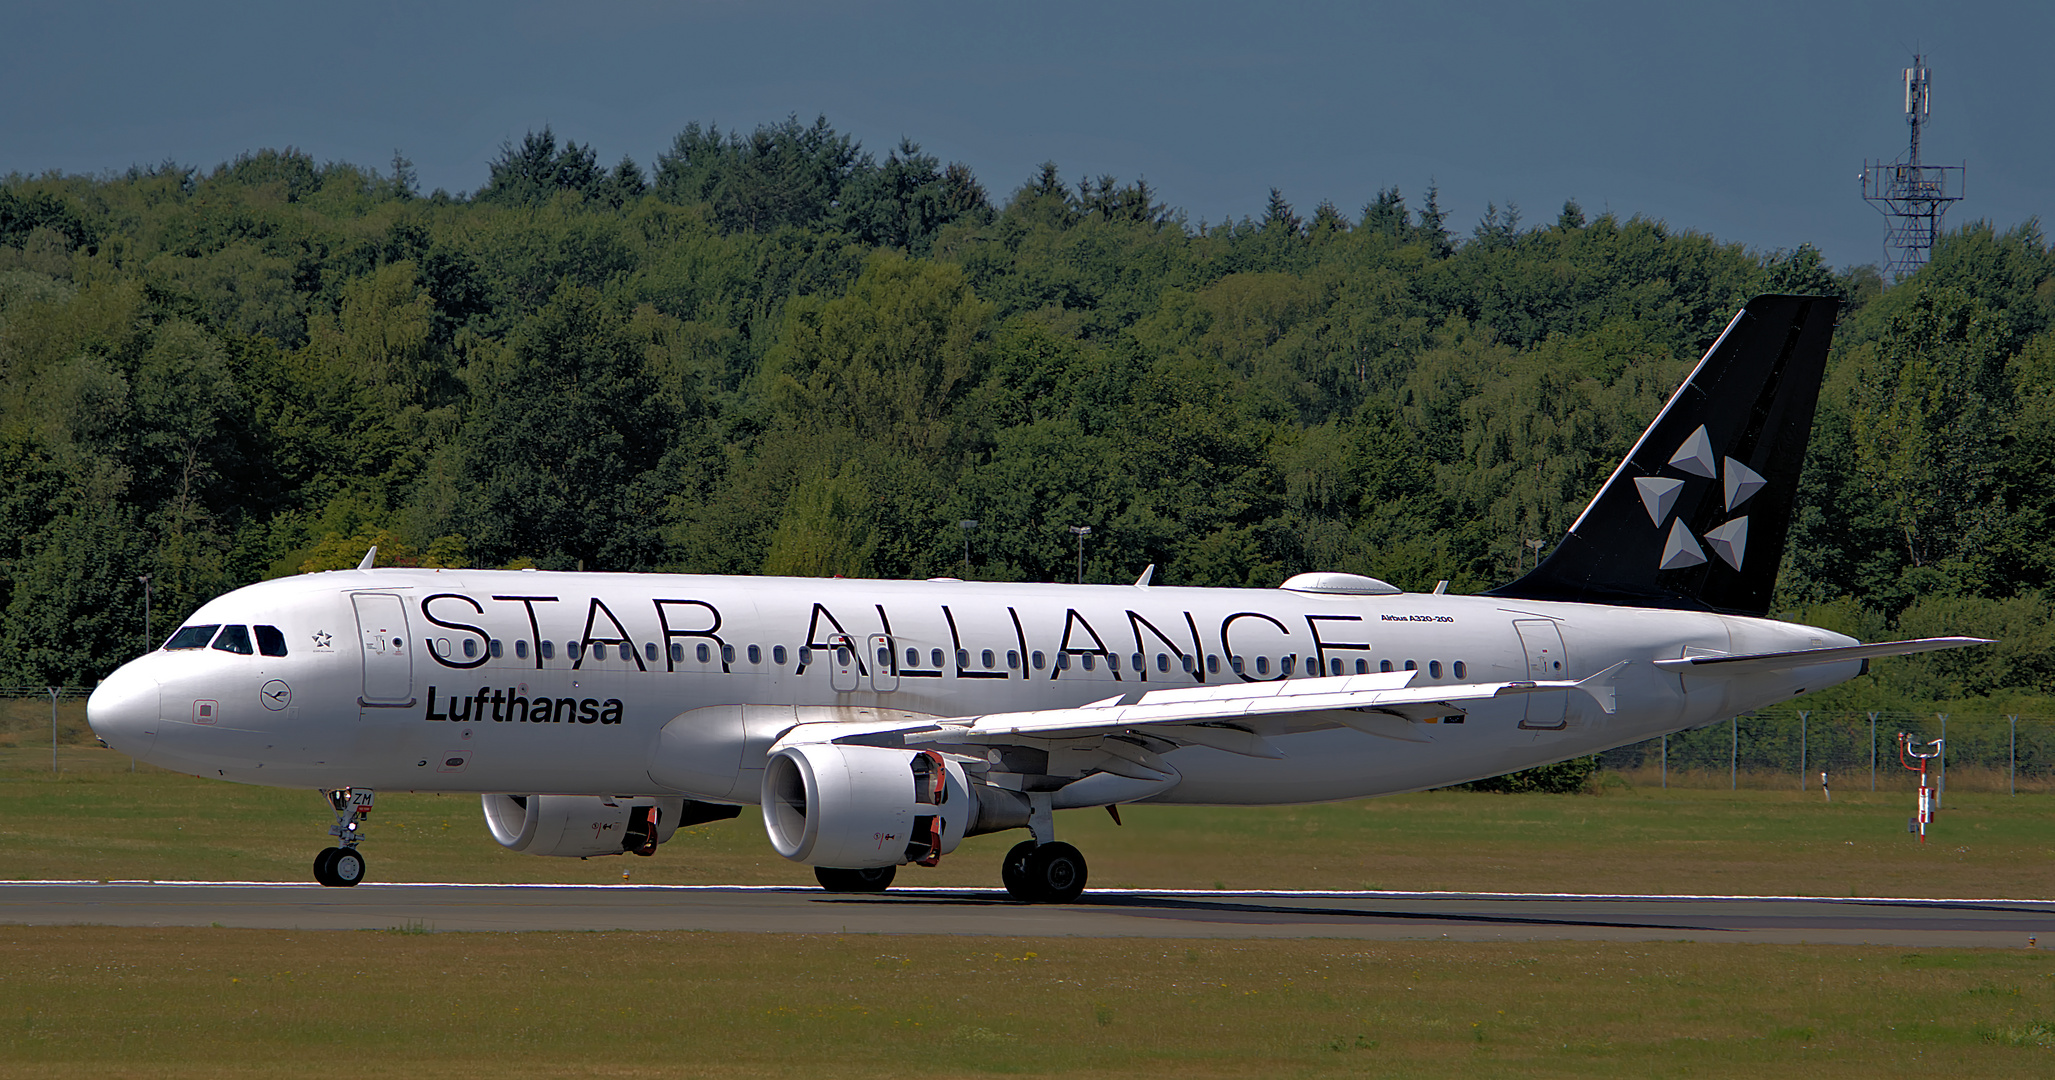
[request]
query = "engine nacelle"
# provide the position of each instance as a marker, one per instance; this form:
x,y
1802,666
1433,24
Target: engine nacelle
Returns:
x,y
578,826
860,807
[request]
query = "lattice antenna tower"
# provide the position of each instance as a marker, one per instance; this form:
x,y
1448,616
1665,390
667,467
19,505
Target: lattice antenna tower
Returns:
x,y
1912,195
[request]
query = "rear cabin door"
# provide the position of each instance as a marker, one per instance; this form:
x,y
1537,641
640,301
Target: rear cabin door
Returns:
x,y
1543,644
845,664
388,660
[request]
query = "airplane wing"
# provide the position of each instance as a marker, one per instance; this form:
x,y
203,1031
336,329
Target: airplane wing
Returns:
x,y
1234,718
1748,663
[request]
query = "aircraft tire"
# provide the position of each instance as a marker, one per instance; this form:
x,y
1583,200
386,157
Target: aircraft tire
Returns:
x,y
346,868
1055,873
322,866
874,879
1013,872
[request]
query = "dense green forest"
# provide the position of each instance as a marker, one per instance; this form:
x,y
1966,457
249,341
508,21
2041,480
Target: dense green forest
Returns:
x,y
776,352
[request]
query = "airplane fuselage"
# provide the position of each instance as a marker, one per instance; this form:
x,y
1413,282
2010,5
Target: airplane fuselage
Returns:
x,y
627,684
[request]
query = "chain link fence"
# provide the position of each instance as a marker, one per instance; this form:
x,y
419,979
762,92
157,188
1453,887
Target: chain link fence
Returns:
x,y
1858,751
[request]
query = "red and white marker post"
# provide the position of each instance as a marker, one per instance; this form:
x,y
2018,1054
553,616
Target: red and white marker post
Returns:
x,y
1926,794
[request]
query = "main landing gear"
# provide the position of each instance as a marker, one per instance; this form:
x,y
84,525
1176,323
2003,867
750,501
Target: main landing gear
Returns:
x,y
1042,870
343,866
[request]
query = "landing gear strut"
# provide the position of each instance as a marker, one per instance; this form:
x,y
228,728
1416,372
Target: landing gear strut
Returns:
x,y
343,866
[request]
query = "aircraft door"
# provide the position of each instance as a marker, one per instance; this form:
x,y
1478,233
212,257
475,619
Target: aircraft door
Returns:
x,y
388,661
884,666
845,665
1543,644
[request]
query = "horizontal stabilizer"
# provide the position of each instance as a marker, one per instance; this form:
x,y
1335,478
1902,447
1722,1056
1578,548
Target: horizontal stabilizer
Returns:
x,y
1784,661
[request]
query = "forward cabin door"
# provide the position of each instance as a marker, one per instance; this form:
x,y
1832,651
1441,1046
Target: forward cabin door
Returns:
x,y
1543,644
388,661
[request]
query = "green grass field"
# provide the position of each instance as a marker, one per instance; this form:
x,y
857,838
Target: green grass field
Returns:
x,y
96,820
92,1002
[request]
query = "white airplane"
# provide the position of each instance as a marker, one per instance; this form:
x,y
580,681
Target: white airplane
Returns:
x,y
878,723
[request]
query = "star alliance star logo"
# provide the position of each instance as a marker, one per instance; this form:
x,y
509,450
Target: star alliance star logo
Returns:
x,y
1659,496
322,640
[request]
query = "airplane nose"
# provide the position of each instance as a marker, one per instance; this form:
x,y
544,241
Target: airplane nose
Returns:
x,y
123,710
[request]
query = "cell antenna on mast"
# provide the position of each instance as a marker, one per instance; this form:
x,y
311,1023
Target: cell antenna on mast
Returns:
x,y
1912,196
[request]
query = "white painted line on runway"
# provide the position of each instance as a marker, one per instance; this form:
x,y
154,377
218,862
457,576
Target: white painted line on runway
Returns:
x,y
1322,894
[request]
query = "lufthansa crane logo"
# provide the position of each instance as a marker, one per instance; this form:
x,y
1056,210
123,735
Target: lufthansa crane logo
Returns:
x,y
275,695
1728,541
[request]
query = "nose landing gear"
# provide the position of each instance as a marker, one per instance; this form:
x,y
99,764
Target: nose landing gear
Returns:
x,y
343,866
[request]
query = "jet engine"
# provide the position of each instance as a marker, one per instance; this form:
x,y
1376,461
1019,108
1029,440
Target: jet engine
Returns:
x,y
579,826
862,807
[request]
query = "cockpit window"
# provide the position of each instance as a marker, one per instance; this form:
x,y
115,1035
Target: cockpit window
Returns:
x,y
193,637
235,639
269,641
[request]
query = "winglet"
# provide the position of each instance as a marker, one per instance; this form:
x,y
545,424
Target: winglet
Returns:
x,y
1148,573
1600,687
368,556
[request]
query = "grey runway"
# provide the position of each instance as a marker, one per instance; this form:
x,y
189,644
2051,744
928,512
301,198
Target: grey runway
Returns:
x,y
1100,913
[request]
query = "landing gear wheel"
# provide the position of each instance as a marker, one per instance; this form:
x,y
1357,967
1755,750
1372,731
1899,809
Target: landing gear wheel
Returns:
x,y
874,879
345,868
323,863
1013,872
1055,873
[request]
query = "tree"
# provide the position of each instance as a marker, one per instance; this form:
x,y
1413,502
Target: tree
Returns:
x,y
533,172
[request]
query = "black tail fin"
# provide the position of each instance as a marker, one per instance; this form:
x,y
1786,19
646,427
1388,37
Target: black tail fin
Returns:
x,y
1696,516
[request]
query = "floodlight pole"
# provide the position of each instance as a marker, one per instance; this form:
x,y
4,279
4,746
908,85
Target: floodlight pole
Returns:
x,y
53,729
1734,752
966,525
147,590
1666,761
1081,531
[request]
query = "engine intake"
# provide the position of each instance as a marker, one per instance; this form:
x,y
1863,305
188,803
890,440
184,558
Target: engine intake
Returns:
x,y
861,807
581,826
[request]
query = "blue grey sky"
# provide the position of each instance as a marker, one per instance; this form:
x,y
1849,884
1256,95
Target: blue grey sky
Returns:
x,y
1749,119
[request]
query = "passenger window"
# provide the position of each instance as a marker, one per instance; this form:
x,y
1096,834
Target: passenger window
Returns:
x,y
572,648
1334,666
1162,662
755,654
1458,669
1113,662
493,649
599,650
841,656
1235,662
1384,665
1038,660
1137,658
963,658
193,637
913,658
1434,669
1063,661
269,641
884,658
990,661
549,650
470,648
702,652
1287,664
1089,658
1012,660
777,654
1184,662
935,659
727,654
805,656
1212,664
677,653
234,639
649,651
1262,665
520,650
1411,666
